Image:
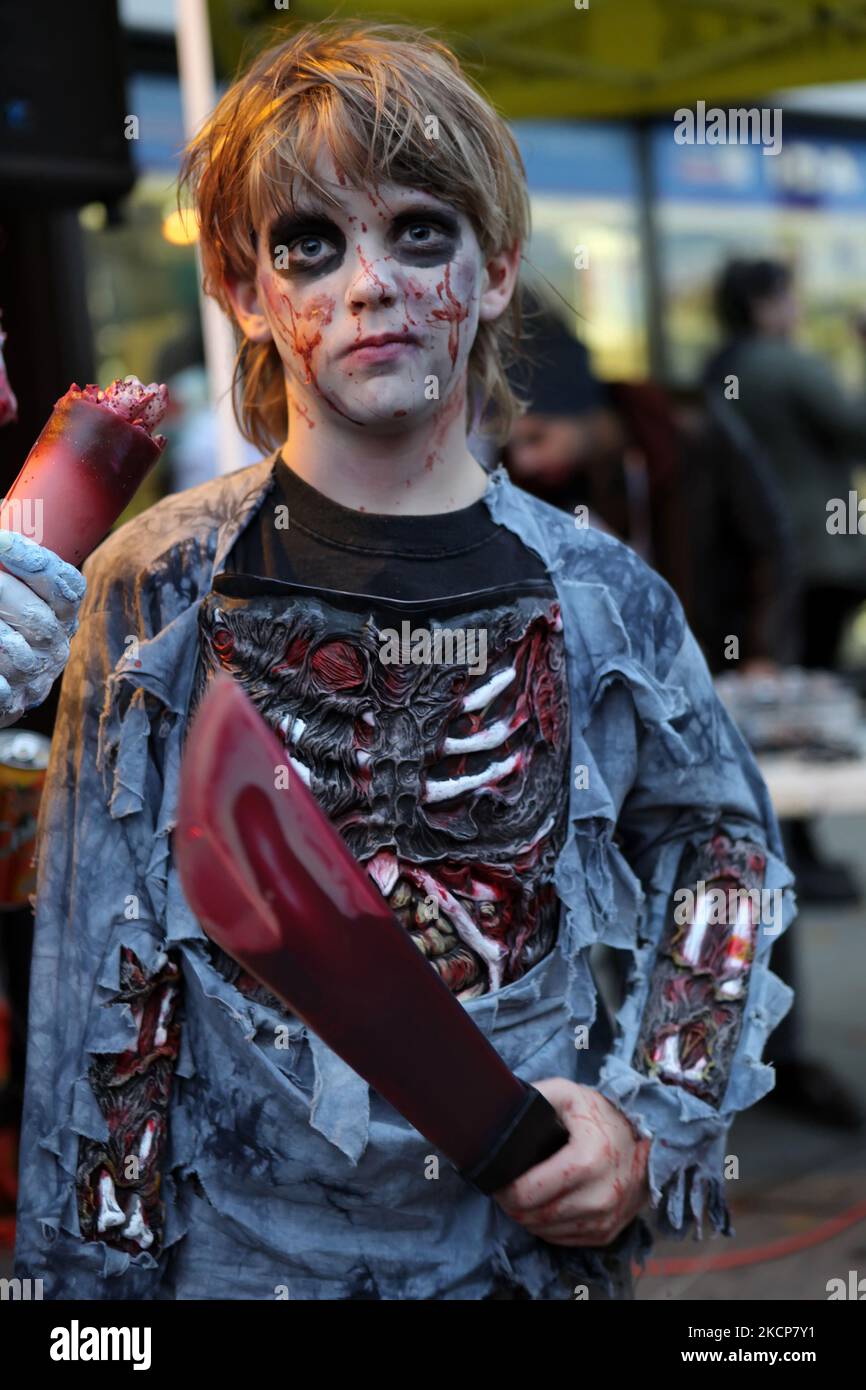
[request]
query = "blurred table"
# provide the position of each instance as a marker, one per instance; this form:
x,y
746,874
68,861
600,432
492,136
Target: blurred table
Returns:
x,y
807,730
804,787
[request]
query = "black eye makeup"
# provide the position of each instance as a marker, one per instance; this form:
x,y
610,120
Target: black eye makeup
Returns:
x,y
309,243
306,243
425,237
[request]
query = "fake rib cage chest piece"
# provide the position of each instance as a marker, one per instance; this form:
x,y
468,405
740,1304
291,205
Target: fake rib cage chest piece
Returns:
x,y
438,746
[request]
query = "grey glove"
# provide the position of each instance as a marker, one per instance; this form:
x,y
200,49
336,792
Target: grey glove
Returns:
x,y
39,602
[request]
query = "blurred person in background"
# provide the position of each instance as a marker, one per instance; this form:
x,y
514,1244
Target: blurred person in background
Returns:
x,y
812,431
583,443
741,554
685,485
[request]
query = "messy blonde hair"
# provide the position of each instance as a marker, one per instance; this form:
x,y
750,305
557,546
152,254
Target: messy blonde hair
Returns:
x,y
372,93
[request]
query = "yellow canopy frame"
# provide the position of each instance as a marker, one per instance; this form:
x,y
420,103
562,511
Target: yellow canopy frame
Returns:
x,y
572,58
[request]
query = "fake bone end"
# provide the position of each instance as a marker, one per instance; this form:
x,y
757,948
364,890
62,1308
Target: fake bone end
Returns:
x,y
109,1213
667,1059
111,1216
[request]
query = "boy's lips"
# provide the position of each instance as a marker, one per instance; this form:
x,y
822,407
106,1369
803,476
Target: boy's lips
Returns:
x,y
380,347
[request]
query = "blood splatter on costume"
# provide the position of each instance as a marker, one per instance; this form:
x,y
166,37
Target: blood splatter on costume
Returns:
x,y
514,816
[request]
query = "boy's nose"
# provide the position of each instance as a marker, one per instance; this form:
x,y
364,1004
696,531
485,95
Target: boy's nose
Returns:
x,y
372,284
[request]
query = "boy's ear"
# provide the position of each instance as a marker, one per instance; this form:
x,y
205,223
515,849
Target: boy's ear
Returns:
x,y
247,309
500,278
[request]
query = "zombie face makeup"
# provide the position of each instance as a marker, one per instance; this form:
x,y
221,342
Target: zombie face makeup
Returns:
x,y
373,303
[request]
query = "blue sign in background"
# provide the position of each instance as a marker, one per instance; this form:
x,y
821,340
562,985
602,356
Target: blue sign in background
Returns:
x,y
814,168
579,157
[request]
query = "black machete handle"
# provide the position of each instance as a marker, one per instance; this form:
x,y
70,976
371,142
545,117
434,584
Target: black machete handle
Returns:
x,y
535,1133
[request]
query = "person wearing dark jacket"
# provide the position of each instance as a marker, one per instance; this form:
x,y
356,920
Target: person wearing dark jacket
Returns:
x,y
743,577
684,484
811,430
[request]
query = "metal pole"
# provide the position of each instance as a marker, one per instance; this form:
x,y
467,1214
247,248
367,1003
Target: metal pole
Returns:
x,y
198,95
651,266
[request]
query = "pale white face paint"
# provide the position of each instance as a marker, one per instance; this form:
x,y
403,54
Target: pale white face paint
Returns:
x,y
386,260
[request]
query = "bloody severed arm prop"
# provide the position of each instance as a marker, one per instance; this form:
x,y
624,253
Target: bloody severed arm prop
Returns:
x,y
86,465
84,468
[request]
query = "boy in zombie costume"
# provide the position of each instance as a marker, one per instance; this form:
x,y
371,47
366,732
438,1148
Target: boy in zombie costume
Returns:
x,y
550,787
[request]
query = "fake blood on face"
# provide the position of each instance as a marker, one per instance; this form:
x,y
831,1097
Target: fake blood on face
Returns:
x,y
297,336
452,312
298,333
367,267
452,407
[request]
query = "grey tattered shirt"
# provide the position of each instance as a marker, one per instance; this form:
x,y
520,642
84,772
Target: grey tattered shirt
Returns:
x,y
283,1175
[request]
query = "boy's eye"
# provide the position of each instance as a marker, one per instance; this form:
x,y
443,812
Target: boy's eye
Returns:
x,y
426,235
302,251
300,243
310,247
